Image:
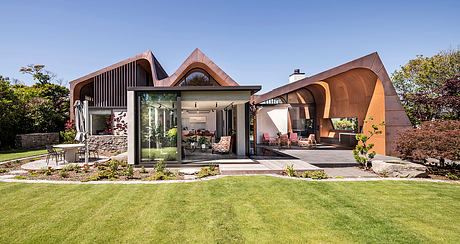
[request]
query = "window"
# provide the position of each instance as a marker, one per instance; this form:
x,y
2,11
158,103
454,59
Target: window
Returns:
x,y
158,126
348,123
198,77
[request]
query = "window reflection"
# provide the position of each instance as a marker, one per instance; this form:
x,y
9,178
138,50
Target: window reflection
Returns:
x,y
158,126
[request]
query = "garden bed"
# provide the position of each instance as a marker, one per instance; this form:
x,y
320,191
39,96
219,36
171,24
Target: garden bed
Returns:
x,y
112,170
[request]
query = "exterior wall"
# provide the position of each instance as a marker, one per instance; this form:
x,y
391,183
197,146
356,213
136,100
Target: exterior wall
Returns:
x,y
131,128
271,120
240,130
108,143
36,140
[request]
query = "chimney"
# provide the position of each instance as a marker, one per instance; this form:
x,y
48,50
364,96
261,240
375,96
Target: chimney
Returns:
x,y
296,76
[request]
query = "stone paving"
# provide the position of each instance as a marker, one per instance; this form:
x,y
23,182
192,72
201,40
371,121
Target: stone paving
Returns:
x,y
266,166
41,164
333,157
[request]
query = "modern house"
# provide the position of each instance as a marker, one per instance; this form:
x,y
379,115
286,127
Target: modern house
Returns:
x,y
179,117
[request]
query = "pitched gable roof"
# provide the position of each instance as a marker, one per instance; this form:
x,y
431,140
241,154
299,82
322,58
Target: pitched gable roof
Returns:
x,y
198,60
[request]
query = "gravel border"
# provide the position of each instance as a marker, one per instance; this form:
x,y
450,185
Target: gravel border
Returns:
x,y
221,176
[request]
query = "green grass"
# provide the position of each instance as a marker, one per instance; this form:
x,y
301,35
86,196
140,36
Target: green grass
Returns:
x,y
20,153
250,209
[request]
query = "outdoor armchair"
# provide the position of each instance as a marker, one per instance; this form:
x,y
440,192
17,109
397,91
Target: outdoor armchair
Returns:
x,y
223,146
268,140
284,140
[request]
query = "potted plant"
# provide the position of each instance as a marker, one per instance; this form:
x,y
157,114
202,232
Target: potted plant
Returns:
x,y
203,141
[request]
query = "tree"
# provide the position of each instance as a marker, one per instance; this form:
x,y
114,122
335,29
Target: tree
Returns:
x,y
432,139
10,108
39,73
362,151
420,83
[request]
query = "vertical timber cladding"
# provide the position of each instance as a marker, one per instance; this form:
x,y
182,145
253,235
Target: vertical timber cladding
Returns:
x,y
111,86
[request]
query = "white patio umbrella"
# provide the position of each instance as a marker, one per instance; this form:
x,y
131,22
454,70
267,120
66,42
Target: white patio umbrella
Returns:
x,y
81,124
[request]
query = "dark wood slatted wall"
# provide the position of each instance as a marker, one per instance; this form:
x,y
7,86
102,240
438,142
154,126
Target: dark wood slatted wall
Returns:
x,y
110,87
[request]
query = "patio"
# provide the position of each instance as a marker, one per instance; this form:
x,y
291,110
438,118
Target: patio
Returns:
x,y
41,163
323,156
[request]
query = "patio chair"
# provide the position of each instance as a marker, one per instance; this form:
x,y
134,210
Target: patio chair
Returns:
x,y
311,141
294,138
53,153
308,142
284,140
223,146
268,140
94,150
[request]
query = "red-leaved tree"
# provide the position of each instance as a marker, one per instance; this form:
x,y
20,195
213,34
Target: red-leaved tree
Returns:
x,y
433,139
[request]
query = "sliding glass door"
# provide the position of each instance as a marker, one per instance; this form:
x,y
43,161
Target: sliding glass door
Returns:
x,y
157,126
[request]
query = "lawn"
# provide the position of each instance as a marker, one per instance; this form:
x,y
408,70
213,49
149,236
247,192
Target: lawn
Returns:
x,y
232,209
20,153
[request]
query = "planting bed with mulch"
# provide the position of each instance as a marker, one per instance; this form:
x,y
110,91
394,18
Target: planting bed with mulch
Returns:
x,y
107,171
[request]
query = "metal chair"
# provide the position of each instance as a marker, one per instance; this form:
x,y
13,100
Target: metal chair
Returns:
x,y
53,153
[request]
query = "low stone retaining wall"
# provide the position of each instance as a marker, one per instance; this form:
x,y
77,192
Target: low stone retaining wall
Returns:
x,y
36,140
108,143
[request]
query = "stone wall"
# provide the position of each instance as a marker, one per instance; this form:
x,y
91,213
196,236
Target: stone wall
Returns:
x,y
36,140
108,143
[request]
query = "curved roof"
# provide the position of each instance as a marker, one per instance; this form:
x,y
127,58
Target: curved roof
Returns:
x,y
155,67
198,59
371,62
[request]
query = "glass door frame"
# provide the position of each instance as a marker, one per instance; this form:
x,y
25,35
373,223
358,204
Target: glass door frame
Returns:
x,y
138,146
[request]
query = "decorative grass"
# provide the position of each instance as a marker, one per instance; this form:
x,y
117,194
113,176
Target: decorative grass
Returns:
x,y
254,209
20,153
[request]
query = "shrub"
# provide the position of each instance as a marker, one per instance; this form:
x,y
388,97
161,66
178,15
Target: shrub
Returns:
x,y
64,174
3,170
128,171
433,139
142,170
85,168
160,166
290,170
212,166
452,176
204,172
67,136
20,177
71,167
46,171
362,150
317,175
168,175
305,174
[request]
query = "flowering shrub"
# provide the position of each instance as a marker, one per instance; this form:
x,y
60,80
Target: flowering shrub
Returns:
x,y
116,124
68,135
433,139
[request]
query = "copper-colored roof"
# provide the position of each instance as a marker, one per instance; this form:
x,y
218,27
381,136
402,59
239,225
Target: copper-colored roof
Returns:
x,y
200,60
371,62
155,67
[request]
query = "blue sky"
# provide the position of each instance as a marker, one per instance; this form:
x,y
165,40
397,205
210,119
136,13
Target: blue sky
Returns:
x,y
255,42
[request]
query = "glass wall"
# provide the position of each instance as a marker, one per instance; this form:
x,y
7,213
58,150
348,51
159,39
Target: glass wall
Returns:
x,y
158,126
302,119
349,123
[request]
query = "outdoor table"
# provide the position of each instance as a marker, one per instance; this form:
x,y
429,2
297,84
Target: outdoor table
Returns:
x,y
70,151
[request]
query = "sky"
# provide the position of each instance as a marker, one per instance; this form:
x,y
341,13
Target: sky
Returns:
x,y
255,42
